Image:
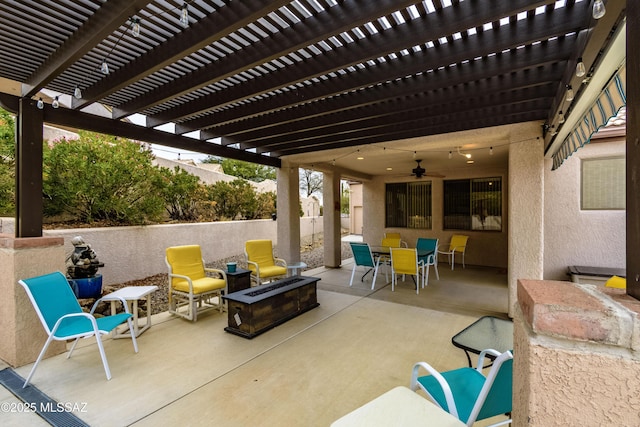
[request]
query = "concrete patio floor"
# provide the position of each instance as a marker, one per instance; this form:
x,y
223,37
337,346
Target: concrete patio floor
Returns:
x,y
308,371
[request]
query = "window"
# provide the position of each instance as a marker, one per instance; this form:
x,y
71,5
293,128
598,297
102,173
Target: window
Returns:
x,y
603,183
473,204
408,205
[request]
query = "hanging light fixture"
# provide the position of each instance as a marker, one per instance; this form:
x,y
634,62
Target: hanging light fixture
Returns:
x,y
184,16
491,151
55,103
77,93
598,9
467,155
580,69
135,28
560,117
104,67
450,154
40,104
569,97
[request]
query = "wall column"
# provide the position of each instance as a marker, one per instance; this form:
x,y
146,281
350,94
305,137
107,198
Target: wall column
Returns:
x,y
331,219
526,209
21,333
576,355
288,212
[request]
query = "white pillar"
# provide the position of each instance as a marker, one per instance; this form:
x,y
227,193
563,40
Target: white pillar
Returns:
x,y
526,208
288,211
331,219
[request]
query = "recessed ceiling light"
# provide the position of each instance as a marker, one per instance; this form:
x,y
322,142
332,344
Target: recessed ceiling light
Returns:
x,y
469,162
360,158
389,169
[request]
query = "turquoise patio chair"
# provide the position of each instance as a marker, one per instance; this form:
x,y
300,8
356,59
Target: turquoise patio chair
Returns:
x,y
426,244
466,393
63,318
362,256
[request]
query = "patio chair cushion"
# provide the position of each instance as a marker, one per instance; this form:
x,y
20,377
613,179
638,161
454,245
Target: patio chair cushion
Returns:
x,y
201,285
274,270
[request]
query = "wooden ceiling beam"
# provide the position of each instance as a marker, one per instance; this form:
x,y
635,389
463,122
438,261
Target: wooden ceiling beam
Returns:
x,y
286,41
413,33
99,25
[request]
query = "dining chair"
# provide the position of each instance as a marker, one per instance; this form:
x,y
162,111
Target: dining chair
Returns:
x,y
458,244
404,261
426,244
467,393
403,244
362,256
389,242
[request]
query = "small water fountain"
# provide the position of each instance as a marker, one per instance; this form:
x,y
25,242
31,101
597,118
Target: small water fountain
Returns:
x,y
82,268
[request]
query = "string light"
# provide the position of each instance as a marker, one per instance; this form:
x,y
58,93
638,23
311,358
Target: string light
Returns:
x,y
184,16
570,94
598,9
135,32
40,104
560,117
135,28
55,103
580,69
104,68
450,154
491,151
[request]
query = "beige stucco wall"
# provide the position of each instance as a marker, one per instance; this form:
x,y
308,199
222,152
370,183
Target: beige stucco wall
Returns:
x,y
487,248
21,333
137,252
526,207
573,236
576,356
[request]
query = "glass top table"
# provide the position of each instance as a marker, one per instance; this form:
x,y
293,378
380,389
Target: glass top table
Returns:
x,y
486,332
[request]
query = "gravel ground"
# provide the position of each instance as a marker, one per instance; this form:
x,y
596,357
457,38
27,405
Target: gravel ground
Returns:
x,y
311,254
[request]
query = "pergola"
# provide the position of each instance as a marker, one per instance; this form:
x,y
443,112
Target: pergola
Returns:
x,y
260,81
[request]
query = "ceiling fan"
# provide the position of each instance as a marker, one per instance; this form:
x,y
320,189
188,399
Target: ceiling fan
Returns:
x,y
419,171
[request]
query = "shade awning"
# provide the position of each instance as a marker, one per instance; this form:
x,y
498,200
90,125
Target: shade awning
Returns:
x,y
607,105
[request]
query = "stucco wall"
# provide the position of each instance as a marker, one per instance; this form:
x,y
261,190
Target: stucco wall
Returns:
x,y
136,252
487,248
573,236
576,359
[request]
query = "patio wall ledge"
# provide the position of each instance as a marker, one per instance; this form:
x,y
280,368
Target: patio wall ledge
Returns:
x,y
576,355
21,333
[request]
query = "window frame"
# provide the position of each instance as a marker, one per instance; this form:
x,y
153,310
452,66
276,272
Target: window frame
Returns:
x,y
609,189
466,218
407,207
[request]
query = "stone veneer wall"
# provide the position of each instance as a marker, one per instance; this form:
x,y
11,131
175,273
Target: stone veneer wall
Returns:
x,y
576,356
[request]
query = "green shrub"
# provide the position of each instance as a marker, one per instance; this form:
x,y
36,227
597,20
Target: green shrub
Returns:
x,y
101,177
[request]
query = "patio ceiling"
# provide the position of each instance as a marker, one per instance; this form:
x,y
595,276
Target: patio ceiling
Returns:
x,y
258,81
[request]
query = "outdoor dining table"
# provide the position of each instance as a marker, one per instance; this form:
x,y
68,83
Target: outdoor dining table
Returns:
x,y
385,251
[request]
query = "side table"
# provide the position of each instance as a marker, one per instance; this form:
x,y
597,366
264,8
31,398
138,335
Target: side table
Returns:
x,y
238,280
296,269
486,332
131,294
398,407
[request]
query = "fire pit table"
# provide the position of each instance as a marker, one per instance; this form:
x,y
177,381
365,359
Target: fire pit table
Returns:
x,y
256,310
